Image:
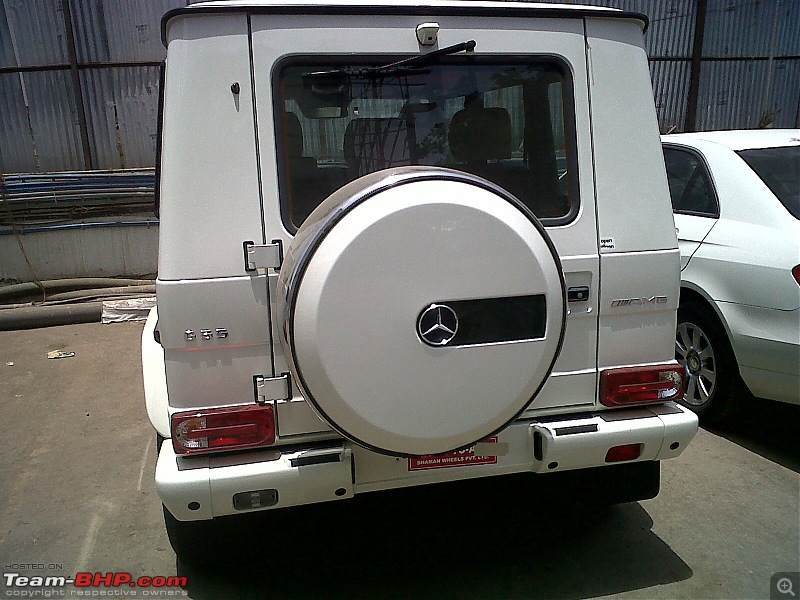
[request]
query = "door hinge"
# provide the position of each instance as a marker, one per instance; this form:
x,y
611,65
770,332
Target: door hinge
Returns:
x,y
263,256
272,389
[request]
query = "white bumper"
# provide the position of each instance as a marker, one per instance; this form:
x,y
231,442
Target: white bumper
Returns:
x,y
203,488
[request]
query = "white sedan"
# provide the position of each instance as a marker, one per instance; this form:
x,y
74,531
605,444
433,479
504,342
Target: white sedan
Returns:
x,y
736,200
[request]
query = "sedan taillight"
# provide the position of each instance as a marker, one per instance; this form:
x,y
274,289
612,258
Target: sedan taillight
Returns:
x,y
796,273
227,428
642,385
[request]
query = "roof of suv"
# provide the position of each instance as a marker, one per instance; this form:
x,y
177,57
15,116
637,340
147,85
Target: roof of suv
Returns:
x,y
740,139
406,7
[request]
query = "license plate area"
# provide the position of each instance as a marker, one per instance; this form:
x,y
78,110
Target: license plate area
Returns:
x,y
460,458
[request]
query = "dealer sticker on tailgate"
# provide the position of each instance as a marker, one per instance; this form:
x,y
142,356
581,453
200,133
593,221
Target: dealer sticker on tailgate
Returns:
x,y
459,458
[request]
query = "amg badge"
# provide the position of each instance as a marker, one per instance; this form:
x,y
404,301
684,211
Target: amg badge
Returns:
x,y
652,300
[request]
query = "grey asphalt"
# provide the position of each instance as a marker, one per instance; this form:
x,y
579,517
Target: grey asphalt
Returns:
x,y
77,494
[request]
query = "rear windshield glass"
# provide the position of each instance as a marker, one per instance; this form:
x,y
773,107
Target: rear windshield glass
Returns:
x,y
509,122
779,168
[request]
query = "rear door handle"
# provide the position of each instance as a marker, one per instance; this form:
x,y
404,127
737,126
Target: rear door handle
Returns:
x,y
578,294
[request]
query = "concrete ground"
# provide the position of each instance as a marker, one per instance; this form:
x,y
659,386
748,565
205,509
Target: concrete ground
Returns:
x,y
77,494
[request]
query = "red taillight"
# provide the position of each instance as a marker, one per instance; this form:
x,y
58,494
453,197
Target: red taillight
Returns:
x,y
642,385
626,452
796,273
229,428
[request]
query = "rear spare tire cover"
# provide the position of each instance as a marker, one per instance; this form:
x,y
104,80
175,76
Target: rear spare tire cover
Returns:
x,y
423,309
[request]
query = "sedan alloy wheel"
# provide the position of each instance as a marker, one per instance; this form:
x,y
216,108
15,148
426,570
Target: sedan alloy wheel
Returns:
x,y
695,352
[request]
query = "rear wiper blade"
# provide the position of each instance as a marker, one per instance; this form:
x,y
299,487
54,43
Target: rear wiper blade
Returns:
x,y
414,61
426,59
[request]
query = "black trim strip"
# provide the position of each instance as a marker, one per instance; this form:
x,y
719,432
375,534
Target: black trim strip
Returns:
x,y
67,67
723,58
392,180
316,459
159,137
591,428
518,10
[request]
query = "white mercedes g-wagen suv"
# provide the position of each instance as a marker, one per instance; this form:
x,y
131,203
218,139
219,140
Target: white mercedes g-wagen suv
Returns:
x,y
407,243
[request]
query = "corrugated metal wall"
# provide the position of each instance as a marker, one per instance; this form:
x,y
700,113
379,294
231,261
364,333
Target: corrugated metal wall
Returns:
x,y
749,74
117,52
749,70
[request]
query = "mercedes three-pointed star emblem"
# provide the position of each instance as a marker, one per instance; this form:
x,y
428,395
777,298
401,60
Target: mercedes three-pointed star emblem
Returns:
x,y
437,325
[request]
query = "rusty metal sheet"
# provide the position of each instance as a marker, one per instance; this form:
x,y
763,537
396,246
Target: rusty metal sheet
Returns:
x,y
744,94
670,92
737,29
38,125
122,109
120,31
31,33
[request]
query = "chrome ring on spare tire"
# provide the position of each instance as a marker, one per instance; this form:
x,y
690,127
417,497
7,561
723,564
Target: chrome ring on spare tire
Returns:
x,y
423,309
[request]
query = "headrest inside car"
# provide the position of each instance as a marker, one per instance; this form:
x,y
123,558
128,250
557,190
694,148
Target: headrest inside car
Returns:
x,y
480,134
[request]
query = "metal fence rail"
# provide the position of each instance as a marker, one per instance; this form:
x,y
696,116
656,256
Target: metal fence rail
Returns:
x,y
35,199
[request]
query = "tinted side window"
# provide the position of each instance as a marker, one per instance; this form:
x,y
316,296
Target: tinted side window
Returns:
x,y
689,184
779,168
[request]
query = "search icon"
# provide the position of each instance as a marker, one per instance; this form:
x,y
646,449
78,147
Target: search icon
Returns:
x,y
784,586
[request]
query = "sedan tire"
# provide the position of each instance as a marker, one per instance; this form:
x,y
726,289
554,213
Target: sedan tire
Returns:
x,y
702,347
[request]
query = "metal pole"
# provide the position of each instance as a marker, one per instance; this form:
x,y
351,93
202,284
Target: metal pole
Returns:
x,y
697,59
76,84
797,113
768,116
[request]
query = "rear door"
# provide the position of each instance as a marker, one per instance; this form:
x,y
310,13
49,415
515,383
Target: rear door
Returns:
x,y
212,320
284,41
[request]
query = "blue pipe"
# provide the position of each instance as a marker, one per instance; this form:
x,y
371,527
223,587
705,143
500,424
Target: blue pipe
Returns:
x,y
69,226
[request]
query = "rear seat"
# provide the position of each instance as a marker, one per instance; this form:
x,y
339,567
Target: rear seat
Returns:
x,y
481,137
480,140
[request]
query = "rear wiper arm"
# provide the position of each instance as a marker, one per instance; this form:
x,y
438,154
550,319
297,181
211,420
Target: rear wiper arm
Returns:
x,y
426,59
414,61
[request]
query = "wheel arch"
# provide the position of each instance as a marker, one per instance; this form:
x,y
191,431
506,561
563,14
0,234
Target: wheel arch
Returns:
x,y
691,295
